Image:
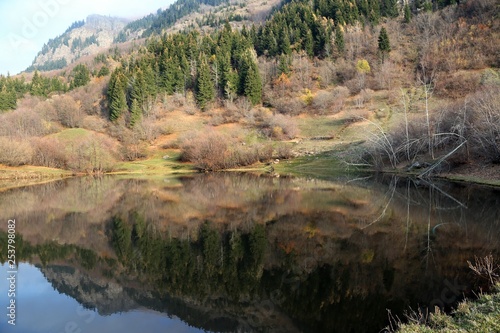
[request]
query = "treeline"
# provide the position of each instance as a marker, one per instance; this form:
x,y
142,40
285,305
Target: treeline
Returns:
x,y
231,263
12,89
48,66
222,65
163,19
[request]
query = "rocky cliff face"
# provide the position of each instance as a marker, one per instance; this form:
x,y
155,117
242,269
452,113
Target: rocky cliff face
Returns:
x,y
91,37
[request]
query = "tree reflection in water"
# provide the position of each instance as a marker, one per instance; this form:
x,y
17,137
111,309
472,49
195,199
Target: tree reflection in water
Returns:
x,y
227,252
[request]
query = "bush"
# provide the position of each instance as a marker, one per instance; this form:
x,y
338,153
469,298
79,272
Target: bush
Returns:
x,y
486,123
457,85
94,123
23,123
15,152
49,152
288,106
94,154
328,102
281,127
68,111
210,151
284,151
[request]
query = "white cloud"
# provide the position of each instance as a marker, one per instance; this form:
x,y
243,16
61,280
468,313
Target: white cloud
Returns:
x,y
26,25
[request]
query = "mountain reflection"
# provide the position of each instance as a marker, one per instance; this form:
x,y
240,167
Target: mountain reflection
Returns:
x,y
238,252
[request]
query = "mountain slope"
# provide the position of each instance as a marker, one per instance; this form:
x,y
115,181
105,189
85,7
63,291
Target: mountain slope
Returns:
x,y
80,39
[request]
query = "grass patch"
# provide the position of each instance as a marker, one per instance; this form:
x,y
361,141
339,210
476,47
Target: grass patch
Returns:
x,y
156,164
319,126
72,134
12,177
481,315
324,165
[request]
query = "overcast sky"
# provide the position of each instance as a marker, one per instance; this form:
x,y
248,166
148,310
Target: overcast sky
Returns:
x,y
25,25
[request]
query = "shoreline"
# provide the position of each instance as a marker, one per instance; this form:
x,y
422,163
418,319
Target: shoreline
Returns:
x,y
304,166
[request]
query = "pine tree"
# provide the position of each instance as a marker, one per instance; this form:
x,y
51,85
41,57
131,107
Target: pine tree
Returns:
x,y
81,76
116,96
308,43
205,91
36,86
339,40
407,14
283,65
285,46
135,113
390,8
231,86
139,92
384,45
253,83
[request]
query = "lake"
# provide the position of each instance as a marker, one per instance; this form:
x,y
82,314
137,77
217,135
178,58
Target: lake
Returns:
x,y
233,252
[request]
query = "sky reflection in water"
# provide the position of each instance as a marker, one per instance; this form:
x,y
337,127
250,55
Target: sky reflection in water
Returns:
x,y
41,308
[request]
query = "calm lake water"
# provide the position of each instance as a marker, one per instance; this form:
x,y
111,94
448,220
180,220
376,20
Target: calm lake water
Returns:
x,y
229,252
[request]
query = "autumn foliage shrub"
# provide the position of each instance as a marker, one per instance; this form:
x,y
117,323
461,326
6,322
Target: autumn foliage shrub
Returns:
x,y
281,127
210,151
330,102
49,152
15,152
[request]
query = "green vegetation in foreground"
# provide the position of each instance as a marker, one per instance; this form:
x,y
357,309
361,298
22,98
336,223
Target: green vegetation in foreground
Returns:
x,y
156,164
482,315
11,177
73,134
325,165
472,179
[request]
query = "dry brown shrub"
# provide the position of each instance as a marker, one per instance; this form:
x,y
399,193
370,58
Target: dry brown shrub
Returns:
x,y
46,110
15,152
210,151
457,85
94,154
345,71
23,123
327,102
90,97
94,123
68,111
281,127
133,148
326,72
284,151
49,152
486,123
289,106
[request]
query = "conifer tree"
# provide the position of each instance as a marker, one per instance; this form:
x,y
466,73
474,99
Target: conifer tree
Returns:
x,y
231,86
339,40
36,86
253,83
81,76
135,113
390,8
116,96
407,14
384,45
285,46
205,91
308,43
283,65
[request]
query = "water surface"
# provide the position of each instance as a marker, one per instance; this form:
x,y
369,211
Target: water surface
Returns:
x,y
230,252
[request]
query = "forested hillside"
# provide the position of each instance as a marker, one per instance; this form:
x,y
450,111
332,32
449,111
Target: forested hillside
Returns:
x,y
399,84
80,39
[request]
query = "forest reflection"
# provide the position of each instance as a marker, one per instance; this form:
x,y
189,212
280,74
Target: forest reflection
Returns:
x,y
229,252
